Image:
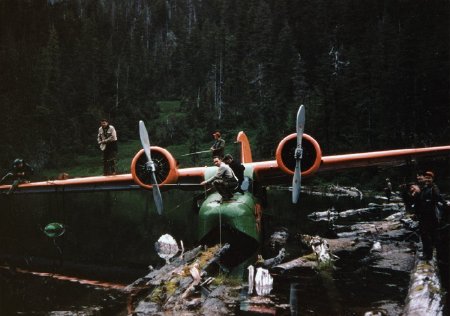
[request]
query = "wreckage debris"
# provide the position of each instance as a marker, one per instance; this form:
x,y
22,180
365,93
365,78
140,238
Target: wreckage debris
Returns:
x,y
269,263
335,191
181,285
190,284
262,282
166,247
279,238
332,214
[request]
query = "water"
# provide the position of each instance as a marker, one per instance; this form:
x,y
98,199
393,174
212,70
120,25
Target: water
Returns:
x,y
109,242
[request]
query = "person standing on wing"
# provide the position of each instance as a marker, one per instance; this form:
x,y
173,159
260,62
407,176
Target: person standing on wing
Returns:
x,y
218,148
107,139
224,181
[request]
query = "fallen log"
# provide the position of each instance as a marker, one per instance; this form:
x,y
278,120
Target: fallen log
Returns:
x,y
296,263
177,286
362,235
425,295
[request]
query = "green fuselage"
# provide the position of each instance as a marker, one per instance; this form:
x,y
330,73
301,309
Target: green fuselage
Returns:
x,y
240,215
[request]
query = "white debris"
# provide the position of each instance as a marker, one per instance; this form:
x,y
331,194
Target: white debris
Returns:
x,y
263,282
251,277
376,247
166,247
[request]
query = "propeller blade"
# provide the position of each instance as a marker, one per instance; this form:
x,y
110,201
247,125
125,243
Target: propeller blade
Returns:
x,y
150,167
296,181
145,141
157,195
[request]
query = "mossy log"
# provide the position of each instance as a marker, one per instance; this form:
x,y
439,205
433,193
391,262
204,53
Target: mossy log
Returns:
x,y
178,285
425,295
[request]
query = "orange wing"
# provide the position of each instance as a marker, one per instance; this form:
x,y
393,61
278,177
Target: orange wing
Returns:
x,y
282,169
276,171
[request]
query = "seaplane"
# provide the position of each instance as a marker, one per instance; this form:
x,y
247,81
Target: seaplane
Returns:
x,y
297,156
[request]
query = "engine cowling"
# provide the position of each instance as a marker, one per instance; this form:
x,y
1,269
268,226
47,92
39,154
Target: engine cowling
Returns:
x,y
312,154
165,167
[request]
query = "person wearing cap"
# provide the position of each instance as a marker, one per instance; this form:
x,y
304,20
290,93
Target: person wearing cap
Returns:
x,y
107,140
238,170
426,198
224,180
218,147
20,172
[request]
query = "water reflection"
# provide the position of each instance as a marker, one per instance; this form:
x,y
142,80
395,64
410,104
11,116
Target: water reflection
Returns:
x,y
110,236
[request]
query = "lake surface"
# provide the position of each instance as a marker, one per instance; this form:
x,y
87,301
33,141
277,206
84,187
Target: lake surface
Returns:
x,y
109,242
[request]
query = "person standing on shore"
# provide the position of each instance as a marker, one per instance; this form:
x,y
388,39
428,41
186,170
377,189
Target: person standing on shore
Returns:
x,y
107,139
19,173
426,198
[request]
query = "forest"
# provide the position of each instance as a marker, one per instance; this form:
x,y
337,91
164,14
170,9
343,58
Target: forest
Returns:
x,y
372,74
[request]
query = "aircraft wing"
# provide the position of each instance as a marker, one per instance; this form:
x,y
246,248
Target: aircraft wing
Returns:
x,y
278,171
396,157
85,184
281,170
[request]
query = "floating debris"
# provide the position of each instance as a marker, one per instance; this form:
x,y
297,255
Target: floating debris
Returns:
x,y
322,250
269,263
279,238
251,278
54,230
334,191
166,247
263,282
327,215
376,247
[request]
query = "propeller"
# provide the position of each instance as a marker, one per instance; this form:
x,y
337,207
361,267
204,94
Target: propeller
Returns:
x,y
150,167
296,181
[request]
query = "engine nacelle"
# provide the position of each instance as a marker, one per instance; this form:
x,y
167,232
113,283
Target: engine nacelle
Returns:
x,y
312,154
165,167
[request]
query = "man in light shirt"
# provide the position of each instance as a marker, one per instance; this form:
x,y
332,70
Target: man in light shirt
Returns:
x,y
107,140
224,181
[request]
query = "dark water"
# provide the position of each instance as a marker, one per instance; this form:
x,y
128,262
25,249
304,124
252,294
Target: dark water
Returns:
x,y
110,239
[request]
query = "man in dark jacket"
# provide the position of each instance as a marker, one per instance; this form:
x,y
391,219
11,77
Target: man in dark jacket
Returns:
x,y
20,172
426,198
238,170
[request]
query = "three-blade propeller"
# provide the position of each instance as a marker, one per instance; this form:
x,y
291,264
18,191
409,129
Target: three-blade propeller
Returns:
x,y
150,167
296,181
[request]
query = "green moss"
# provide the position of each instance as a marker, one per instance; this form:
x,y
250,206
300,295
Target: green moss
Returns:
x,y
157,296
206,256
310,257
325,265
225,279
419,288
171,286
